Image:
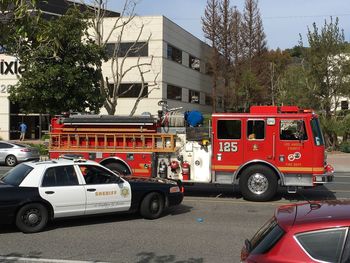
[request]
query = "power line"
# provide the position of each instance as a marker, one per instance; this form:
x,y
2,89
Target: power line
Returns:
x,y
272,17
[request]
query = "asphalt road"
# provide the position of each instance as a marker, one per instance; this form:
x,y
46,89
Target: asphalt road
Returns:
x,y
210,226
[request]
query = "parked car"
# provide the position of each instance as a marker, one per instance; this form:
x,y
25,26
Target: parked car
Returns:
x,y
307,232
12,153
34,192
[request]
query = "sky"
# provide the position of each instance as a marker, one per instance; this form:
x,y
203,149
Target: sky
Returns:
x,y
283,20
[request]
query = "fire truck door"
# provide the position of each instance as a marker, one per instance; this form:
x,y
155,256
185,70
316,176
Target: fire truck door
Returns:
x,y
294,147
258,140
227,145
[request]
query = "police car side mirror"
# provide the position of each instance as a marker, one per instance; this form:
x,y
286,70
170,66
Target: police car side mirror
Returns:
x,y
116,179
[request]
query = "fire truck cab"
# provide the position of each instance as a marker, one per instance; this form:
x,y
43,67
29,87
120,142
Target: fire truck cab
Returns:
x,y
268,147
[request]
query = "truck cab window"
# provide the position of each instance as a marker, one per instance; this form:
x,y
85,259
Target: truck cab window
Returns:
x,y
293,130
256,130
229,129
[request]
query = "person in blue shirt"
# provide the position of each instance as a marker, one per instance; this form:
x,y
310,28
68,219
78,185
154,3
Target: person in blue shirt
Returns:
x,y
23,130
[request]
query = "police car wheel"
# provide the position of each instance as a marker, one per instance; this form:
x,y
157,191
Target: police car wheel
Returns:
x,y
32,218
11,160
152,206
118,168
258,183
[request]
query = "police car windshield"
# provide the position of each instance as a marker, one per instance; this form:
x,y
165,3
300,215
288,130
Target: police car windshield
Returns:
x,y
16,175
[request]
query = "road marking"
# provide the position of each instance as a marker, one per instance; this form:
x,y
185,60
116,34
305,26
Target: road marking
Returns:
x,y
28,260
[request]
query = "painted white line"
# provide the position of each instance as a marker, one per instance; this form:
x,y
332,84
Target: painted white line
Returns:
x,y
29,260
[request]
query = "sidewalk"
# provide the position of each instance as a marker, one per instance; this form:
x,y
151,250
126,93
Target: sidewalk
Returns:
x,y
340,161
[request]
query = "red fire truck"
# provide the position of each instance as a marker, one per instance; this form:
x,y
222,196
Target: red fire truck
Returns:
x,y
268,147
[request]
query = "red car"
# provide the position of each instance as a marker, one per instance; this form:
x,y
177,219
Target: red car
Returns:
x,y
306,232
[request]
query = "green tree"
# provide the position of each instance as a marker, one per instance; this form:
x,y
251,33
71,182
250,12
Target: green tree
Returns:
x,y
17,24
328,66
293,87
61,70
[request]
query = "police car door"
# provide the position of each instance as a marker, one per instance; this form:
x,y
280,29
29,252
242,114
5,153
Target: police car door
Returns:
x,y
105,192
61,187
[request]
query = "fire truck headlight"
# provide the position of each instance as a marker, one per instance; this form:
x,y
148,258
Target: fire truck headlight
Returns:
x,y
174,189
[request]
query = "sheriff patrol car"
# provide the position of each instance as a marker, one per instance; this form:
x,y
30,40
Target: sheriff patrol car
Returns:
x,y
34,192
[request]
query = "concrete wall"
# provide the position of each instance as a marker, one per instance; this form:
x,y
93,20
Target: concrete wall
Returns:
x,y
162,32
8,77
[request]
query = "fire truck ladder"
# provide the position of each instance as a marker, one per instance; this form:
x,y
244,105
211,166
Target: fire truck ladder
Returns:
x,y
112,142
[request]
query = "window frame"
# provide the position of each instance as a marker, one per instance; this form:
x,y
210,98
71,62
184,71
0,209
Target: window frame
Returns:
x,y
143,51
117,181
130,94
174,86
8,146
264,121
171,56
320,231
191,61
294,140
192,95
231,139
60,166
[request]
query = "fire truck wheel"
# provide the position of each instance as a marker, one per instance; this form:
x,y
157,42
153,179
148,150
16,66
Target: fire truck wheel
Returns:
x,y
258,183
152,206
118,168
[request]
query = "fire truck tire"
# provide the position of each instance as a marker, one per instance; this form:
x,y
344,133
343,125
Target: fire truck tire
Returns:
x,y
152,206
118,168
258,183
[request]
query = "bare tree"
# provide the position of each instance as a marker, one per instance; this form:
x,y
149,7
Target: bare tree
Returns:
x,y
210,24
237,53
254,39
225,46
111,87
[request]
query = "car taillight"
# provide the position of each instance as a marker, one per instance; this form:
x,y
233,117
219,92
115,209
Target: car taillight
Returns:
x,y
182,189
244,254
25,150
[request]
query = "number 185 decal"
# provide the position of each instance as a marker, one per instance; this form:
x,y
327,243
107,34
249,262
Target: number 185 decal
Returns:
x,y
228,147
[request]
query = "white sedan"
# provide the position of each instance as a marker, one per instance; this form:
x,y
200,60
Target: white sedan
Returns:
x,y
34,192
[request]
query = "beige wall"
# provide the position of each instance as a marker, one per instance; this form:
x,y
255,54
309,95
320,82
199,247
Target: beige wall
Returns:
x,y
6,80
162,32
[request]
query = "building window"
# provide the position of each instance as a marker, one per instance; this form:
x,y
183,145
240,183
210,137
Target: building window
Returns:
x,y
174,92
194,96
194,63
174,54
131,90
129,49
344,105
208,100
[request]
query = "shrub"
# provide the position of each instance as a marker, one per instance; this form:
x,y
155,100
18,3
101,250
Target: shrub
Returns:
x,y
42,148
345,147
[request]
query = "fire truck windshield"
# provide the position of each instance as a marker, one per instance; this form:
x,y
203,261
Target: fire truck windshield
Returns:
x,y
316,131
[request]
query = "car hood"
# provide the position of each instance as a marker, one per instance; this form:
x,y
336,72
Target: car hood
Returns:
x,y
136,179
